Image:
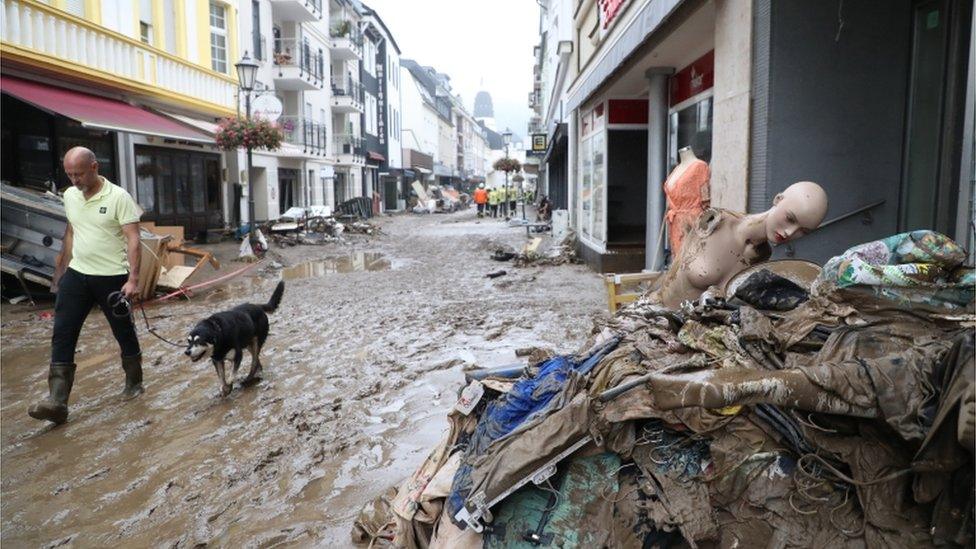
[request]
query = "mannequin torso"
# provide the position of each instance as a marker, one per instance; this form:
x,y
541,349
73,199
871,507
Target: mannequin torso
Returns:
x,y
686,189
713,252
721,243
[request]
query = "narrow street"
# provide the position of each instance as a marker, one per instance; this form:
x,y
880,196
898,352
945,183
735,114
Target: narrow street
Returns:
x,y
365,356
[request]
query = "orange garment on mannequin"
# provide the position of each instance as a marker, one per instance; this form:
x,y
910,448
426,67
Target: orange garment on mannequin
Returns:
x,y
685,200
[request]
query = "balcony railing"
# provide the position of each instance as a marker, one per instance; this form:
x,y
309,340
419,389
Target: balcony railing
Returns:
x,y
44,34
344,28
289,52
302,131
348,87
350,144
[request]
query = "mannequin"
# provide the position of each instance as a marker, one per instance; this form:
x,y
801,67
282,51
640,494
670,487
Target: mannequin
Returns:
x,y
688,196
722,243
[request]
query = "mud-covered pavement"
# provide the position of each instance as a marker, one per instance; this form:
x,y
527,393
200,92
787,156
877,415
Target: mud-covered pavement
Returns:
x,y
360,368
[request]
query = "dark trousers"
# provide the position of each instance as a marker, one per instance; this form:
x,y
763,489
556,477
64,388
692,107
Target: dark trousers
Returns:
x,y
481,208
494,210
77,293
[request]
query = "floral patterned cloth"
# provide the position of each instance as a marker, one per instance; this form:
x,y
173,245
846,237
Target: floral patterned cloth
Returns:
x,y
915,267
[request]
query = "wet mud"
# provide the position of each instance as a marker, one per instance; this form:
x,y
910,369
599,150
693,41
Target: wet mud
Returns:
x,y
365,357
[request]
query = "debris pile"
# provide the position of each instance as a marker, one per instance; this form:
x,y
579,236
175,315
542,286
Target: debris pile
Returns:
x,y
561,254
437,199
836,411
317,225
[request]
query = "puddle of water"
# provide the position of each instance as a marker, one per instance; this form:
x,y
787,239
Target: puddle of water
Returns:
x,y
359,261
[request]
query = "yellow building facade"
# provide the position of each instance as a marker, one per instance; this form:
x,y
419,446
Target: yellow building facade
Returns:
x,y
172,61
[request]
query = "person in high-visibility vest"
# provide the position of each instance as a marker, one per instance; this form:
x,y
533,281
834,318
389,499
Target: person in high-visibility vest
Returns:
x,y
512,199
481,199
494,199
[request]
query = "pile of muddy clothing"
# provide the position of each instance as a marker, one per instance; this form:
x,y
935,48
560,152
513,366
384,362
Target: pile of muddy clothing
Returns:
x,y
837,411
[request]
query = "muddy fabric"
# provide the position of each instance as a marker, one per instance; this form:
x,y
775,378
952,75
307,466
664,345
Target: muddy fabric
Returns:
x,y
514,458
941,466
447,535
572,509
771,292
907,268
717,341
673,464
374,526
412,512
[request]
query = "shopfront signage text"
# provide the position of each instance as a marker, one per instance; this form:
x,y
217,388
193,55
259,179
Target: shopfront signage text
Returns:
x,y
694,79
539,144
267,107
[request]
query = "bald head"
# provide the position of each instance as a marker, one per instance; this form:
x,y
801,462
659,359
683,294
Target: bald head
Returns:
x,y
796,211
81,167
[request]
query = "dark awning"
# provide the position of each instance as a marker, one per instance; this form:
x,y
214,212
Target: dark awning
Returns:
x,y
99,113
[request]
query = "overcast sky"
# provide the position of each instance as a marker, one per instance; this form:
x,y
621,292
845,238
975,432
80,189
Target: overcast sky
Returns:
x,y
480,44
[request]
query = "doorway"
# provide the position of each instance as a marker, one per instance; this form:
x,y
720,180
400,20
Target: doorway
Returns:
x,y
287,181
934,115
389,193
179,187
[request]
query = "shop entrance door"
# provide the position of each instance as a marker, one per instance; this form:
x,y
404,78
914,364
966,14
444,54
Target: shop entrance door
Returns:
x,y
287,181
936,96
389,194
177,187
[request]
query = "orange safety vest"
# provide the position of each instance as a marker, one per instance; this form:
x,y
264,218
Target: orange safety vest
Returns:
x,y
480,196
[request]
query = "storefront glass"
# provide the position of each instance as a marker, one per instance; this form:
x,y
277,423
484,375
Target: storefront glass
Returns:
x,y
691,127
690,109
593,175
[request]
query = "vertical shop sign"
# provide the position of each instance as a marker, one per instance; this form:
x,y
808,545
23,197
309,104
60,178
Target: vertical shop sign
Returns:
x,y
693,79
610,9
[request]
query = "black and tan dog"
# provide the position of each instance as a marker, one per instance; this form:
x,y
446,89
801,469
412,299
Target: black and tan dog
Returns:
x,y
243,327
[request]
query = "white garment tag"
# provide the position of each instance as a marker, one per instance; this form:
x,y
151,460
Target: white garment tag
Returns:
x,y
470,397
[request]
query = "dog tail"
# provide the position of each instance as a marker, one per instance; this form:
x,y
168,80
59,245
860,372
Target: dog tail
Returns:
x,y
275,298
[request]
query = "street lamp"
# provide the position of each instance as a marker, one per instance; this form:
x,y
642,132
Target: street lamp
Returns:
x,y
507,138
247,71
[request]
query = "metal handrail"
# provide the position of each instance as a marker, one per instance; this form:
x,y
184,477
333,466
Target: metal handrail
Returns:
x,y
353,33
347,87
851,213
289,52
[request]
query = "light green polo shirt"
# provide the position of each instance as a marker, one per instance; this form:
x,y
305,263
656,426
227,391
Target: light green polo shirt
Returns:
x,y
99,246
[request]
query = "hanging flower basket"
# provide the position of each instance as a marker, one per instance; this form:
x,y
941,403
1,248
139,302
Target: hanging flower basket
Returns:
x,y
507,165
256,133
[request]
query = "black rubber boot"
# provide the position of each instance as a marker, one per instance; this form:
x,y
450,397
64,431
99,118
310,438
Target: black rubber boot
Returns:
x,y
133,376
60,378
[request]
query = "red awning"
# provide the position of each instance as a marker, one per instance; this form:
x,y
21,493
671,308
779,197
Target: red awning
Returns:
x,y
375,156
98,112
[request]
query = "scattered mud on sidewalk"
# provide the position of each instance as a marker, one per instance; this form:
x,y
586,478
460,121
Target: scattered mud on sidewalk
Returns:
x,y
365,356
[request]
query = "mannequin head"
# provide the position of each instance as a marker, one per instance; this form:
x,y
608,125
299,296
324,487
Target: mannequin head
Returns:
x,y
796,211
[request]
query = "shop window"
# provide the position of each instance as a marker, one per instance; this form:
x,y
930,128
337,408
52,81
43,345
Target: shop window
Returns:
x,y
592,209
691,127
146,172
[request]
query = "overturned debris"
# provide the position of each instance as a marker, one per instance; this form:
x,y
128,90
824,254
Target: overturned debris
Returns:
x,y
840,415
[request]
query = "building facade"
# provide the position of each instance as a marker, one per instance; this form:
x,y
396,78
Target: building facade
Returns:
x,y
873,101
348,100
140,83
291,46
382,119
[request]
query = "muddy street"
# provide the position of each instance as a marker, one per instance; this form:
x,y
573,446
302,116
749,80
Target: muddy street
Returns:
x,y
365,356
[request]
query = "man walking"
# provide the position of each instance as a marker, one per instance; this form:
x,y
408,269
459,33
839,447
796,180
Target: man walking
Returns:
x,y
481,199
99,256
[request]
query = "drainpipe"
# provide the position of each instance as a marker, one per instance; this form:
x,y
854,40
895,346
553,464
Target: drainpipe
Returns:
x,y
657,165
